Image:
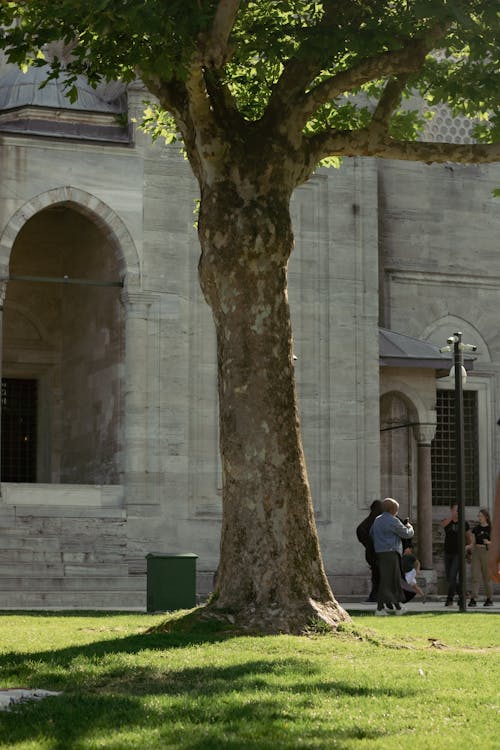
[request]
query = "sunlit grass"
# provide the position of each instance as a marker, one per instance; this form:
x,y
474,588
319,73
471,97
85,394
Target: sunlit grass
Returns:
x,y
422,681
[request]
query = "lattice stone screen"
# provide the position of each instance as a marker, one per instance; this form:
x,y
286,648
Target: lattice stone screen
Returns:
x,y
444,482
19,428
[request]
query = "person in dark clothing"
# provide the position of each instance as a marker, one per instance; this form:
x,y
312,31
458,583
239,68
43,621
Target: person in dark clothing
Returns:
x,y
451,556
494,545
481,539
363,534
387,531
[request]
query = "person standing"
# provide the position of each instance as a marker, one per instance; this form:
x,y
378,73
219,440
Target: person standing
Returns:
x,y
451,549
481,538
363,534
494,547
387,532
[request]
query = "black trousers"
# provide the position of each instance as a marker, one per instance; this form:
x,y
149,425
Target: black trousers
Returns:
x,y
451,572
389,590
375,580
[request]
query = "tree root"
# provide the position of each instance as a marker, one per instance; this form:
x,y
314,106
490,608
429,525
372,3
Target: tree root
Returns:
x,y
293,619
301,619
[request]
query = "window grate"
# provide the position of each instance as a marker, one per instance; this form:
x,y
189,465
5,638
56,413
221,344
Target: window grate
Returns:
x,y
19,428
444,480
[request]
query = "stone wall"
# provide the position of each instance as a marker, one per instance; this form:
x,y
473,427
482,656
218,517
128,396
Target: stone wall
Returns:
x,y
439,229
333,278
146,404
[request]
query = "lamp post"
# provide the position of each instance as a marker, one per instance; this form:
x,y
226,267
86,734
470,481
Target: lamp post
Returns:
x,y
456,345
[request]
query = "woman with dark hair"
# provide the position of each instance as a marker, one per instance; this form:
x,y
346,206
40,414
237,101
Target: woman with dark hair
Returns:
x,y
363,534
481,539
494,547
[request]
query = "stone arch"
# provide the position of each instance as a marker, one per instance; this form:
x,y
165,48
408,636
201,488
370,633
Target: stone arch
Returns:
x,y
108,221
438,331
420,414
406,423
66,343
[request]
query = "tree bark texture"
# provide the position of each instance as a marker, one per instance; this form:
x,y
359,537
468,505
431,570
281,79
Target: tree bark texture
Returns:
x,y
271,574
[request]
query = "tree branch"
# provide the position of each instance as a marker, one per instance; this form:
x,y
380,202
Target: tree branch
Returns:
x,y
406,60
439,153
222,101
367,142
299,71
199,102
214,45
388,102
173,97
202,123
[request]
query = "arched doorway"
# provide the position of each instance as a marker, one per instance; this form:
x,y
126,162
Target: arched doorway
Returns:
x,y
63,352
397,451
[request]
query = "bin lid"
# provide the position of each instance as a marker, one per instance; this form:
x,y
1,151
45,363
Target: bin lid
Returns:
x,y
170,554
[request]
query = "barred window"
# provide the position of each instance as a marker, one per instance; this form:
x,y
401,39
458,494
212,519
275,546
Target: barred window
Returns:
x,y
444,479
19,423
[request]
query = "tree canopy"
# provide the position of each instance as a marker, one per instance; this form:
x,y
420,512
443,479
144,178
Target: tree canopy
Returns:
x,y
329,78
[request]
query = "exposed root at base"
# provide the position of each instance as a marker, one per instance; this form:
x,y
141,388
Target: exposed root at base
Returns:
x,y
293,619
318,617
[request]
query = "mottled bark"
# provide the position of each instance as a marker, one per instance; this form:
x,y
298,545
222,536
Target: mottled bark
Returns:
x,y
271,574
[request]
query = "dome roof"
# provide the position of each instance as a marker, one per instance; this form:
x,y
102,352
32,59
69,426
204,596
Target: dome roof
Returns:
x,y
18,89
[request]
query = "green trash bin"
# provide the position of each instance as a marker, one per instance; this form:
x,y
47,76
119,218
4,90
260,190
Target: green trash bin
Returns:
x,y
171,581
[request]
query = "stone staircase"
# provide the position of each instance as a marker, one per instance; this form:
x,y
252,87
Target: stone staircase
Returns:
x,y
67,557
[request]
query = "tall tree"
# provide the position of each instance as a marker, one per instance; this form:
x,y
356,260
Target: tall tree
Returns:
x,y
261,92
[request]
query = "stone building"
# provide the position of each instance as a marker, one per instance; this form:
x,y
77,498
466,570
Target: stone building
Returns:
x,y
109,412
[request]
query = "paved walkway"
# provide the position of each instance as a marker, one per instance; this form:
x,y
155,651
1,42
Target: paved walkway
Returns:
x,y
10,696
414,607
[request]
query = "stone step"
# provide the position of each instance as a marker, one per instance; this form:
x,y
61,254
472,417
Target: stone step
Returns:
x,y
74,583
50,557
60,570
61,600
59,556
116,515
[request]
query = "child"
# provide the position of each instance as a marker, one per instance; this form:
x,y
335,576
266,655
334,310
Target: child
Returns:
x,y
411,568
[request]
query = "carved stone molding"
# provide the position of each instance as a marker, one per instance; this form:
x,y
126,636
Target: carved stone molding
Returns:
x,y
138,304
424,433
398,270
3,292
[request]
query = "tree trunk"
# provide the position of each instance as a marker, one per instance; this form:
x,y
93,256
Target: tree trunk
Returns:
x,y
271,574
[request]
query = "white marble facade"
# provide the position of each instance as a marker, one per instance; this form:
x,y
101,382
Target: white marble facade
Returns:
x,y
127,459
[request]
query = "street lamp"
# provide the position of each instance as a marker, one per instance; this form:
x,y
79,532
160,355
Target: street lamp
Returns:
x,y
456,345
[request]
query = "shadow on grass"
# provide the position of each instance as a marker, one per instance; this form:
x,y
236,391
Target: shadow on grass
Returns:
x,y
120,722
230,707
200,709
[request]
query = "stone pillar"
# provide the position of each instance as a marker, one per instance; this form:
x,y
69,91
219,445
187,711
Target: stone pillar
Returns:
x,y
3,292
424,433
137,448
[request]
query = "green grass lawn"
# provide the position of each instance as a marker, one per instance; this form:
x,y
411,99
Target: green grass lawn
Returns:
x,y
418,681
